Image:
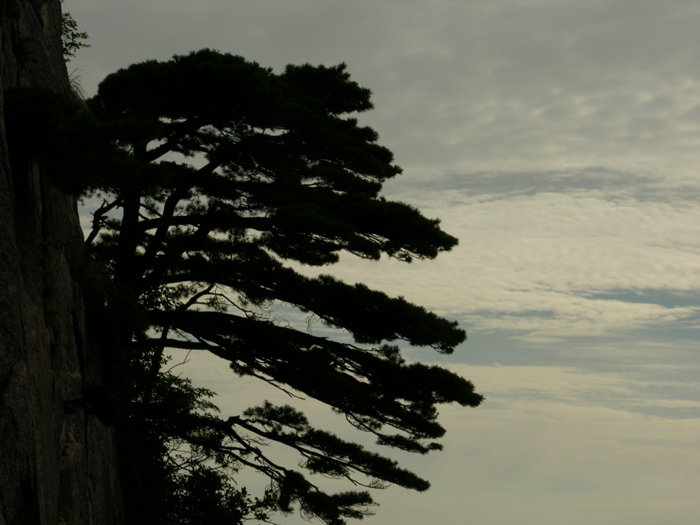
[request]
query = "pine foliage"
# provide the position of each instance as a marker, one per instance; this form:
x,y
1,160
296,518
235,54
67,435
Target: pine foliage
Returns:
x,y
231,176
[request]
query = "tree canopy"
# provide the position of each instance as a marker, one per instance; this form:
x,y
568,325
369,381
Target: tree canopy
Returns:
x,y
229,178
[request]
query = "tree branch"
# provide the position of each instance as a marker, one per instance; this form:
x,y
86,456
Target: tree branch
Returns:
x,y
170,206
98,218
158,355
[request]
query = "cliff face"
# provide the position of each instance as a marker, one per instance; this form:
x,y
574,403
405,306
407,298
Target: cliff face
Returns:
x,y
56,465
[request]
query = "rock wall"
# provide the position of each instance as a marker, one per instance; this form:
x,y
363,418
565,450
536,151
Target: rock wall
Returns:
x,y
56,465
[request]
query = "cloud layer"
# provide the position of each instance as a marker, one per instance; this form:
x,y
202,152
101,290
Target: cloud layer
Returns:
x,y
560,142
559,263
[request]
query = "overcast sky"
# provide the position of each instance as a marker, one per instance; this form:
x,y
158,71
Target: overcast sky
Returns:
x,y
560,141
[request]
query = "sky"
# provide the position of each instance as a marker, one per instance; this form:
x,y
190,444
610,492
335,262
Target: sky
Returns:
x,y
560,142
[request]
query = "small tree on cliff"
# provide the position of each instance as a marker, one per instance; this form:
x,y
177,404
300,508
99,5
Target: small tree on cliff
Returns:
x,y
235,175
71,38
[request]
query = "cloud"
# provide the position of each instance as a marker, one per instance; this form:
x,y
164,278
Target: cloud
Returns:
x,y
581,444
559,142
560,438
572,124
552,447
521,387
461,86
553,264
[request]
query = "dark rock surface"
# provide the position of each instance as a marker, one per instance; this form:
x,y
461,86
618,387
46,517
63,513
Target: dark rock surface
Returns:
x,y
56,465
